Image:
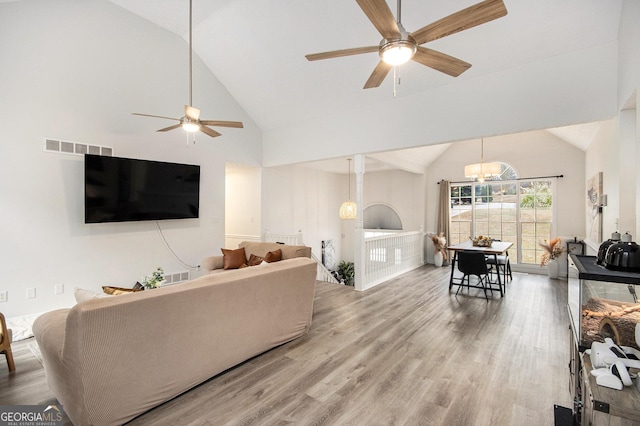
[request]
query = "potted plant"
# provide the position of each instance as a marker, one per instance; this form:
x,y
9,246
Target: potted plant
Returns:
x,y
347,272
155,280
440,244
553,249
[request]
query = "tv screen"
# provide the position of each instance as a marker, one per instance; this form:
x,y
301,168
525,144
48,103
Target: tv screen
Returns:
x,y
123,189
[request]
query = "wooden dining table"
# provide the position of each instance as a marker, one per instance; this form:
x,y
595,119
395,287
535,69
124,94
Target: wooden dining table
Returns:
x,y
496,248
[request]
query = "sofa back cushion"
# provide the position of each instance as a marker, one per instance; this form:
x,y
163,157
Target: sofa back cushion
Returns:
x,y
261,249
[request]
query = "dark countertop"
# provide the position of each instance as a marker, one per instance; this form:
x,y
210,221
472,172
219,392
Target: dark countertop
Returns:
x,y
588,269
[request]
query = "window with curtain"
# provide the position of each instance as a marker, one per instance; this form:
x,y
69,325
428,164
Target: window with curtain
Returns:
x,y
507,209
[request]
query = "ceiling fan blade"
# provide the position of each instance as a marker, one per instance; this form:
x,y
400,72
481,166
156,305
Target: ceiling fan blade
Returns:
x,y
236,124
440,62
378,75
155,116
166,129
191,112
210,132
470,17
381,17
340,53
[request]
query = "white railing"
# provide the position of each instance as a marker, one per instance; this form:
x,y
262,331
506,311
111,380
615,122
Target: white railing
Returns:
x,y
323,273
388,255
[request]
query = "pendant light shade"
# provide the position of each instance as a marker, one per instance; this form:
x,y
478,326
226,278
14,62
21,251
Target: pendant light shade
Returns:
x,y
481,171
349,209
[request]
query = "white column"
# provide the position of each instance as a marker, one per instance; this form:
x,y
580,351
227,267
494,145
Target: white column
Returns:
x,y
358,243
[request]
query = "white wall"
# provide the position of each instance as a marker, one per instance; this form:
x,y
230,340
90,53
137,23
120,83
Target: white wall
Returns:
x,y
628,91
296,199
531,154
403,191
76,71
243,189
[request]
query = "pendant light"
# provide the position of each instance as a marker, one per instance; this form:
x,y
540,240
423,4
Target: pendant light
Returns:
x,y
348,209
482,170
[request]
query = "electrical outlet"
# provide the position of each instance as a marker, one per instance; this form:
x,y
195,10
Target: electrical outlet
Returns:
x,y
31,293
4,295
59,289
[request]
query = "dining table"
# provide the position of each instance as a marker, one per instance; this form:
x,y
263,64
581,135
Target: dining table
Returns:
x,y
495,249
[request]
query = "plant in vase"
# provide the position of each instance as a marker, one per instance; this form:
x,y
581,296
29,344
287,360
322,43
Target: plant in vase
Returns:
x,y
155,280
553,249
440,244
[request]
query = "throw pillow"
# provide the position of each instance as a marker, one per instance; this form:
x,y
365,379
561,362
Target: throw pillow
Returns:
x,y
82,295
234,259
114,291
254,260
273,256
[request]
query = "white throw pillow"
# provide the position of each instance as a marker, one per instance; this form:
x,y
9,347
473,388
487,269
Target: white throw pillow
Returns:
x,y
82,295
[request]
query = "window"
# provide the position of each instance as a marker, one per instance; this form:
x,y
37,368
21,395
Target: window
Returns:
x,y
507,209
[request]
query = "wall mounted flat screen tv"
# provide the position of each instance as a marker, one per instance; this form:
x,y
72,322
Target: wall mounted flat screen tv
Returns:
x,y
123,189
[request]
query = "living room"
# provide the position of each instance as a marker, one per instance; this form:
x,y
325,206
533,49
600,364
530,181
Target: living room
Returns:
x,y
75,71
78,71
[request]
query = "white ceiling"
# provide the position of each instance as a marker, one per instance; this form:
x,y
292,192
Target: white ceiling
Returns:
x,y
256,49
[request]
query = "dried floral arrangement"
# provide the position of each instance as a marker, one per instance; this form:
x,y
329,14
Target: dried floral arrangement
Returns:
x,y
553,249
440,243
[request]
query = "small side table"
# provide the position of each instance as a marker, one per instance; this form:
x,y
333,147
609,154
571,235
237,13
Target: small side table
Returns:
x,y
575,247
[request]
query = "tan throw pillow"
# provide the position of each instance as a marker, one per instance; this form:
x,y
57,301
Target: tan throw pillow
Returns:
x,y
117,290
273,256
255,260
234,259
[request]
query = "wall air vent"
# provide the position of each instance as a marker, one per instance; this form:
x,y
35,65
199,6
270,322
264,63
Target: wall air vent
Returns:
x,y
176,277
75,148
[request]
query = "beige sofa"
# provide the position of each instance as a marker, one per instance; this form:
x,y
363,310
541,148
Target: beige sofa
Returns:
x,y
107,360
215,263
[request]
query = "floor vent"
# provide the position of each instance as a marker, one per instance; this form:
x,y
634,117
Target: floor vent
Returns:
x,y
176,277
75,148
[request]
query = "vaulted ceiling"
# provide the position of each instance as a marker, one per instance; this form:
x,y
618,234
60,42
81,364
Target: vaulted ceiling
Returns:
x,y
257,48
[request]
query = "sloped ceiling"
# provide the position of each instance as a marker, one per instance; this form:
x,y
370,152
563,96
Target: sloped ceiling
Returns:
x,y
256,48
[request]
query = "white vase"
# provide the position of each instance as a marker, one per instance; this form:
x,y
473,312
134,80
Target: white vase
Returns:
x,y
553,269
437,259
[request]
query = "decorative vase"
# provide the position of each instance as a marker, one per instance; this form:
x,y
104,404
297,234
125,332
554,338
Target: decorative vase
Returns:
x,y
553,269
437,259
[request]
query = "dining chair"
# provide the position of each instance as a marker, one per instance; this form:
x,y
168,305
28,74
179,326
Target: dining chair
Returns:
x,y
503,264
473,263
5,343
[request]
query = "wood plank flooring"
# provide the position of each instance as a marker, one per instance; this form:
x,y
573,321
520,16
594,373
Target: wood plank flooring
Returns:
x,y
407,352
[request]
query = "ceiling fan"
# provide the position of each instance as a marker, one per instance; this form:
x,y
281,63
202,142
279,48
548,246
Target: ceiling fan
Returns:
x,y
398,46
191,120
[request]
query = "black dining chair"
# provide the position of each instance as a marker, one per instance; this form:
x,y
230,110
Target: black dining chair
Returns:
x,y
470,263
503,264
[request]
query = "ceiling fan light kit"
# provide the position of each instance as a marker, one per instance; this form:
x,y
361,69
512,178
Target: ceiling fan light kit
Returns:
x,y
398,46
191,122
397,52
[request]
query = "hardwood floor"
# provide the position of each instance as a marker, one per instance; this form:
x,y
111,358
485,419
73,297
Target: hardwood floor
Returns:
x,y
407,352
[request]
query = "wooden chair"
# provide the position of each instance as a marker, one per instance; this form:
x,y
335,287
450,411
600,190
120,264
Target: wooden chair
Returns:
x,y
473,263
5,343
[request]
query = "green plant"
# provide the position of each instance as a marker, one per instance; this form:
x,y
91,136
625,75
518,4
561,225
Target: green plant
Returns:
x,y
155,280
347,271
